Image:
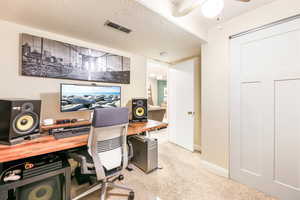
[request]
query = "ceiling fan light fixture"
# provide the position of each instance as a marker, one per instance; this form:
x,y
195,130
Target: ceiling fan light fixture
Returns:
x,y
212,8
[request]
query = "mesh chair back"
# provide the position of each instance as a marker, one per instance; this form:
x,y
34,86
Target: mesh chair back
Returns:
x,y
107,140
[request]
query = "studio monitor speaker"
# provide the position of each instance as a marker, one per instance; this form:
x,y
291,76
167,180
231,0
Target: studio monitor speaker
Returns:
x,y
139,110
47,189
19,119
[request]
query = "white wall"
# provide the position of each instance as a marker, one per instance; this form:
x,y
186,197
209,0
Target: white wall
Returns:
x,y
215,76
14,85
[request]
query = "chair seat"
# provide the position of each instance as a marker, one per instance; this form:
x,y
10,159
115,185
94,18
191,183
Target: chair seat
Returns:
x,y
90,162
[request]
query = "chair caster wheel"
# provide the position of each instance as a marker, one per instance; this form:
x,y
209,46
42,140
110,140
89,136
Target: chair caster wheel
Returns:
x,y
131,196
121,178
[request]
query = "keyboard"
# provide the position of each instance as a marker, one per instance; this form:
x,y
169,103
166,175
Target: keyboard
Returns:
x,y
71,132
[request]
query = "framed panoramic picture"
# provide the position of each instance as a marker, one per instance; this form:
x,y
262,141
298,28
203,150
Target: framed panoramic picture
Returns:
x,y
48,58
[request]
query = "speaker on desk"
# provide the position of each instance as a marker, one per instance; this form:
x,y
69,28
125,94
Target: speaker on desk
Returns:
x,y
48,189
19,119
139,110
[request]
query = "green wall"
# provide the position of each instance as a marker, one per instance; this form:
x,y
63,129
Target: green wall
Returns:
x,y
161,84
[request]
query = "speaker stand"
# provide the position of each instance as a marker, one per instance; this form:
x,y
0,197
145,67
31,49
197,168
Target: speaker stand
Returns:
x,y
34,136
21,139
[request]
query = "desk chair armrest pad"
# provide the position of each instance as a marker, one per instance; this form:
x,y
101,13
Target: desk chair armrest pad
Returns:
x,y
100,173
86,167
130,150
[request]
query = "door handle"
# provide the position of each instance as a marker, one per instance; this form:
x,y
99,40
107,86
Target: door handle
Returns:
x,y
191,113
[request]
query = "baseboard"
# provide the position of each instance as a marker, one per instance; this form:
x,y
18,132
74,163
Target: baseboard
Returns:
x,y
215,169
197,147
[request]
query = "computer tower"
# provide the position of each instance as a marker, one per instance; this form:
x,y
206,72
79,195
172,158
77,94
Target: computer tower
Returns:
x,y
145,153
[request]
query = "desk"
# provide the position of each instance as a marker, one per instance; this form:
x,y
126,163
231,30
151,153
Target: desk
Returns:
x,y
48,144
156,113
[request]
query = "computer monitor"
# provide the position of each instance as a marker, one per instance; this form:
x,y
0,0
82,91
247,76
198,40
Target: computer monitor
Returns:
x,y
87,97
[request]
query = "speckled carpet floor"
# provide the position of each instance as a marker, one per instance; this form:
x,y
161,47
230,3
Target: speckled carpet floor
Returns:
x,y
182,178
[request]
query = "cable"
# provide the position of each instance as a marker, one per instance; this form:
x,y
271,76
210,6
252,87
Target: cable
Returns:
x,y
1,175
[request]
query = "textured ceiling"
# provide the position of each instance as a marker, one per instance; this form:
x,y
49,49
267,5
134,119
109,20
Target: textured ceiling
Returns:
x,y
84,19
152,33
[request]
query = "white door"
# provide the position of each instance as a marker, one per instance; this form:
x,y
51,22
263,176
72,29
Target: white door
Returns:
x,y
265,110
181,104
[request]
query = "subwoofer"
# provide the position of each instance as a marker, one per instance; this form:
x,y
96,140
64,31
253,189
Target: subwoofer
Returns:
x,y
139,110
48,189
19,119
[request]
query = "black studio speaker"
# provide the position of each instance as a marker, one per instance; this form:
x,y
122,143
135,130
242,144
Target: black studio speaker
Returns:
x,y
19,119
47,189
139,110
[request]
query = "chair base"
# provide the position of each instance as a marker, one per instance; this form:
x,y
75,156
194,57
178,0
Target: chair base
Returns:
x,y
103,186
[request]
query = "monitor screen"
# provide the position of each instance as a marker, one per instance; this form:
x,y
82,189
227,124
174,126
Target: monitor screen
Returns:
x,y
88,97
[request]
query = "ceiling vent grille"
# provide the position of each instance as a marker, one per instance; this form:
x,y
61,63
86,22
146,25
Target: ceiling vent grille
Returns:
x,y
117,27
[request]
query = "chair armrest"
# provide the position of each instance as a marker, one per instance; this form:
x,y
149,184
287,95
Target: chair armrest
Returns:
x,y
100,173
77,157
130,150
85,167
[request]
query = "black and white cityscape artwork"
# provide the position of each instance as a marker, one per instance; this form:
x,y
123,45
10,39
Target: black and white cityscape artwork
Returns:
x,y
43,57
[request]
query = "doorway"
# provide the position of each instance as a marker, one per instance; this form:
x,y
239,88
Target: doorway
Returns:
x,y
176,89
157,90
157,94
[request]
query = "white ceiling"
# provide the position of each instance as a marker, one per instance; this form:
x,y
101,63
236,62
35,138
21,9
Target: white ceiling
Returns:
x,y
84,19
152,33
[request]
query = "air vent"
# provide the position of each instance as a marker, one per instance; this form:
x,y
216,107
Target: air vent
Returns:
x,y
117,27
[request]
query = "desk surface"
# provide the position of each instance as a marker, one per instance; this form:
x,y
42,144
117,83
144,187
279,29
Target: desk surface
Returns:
x,y
48,144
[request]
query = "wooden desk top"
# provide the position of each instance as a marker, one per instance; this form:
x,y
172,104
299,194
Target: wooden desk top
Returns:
x,y
48,144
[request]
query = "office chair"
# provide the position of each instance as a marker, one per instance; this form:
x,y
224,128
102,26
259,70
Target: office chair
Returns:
x,y
107,154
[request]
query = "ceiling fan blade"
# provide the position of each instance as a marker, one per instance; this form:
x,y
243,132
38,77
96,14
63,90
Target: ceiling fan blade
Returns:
x,y
243,0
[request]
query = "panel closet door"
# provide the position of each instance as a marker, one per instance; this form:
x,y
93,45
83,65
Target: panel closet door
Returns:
x,y
181,104
265,110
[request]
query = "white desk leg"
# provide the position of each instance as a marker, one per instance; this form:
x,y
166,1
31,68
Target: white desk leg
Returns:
x,y
148,134
158,165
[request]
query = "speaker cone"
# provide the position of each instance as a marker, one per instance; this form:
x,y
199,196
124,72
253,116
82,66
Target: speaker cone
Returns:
x,y
47,189
27,107
140,111
140,103
25,123
42,192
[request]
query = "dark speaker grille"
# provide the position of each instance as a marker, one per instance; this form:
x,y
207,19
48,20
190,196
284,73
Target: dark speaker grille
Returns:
x,y
48,189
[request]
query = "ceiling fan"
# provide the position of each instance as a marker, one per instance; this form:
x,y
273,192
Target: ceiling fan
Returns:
x,y
210,8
